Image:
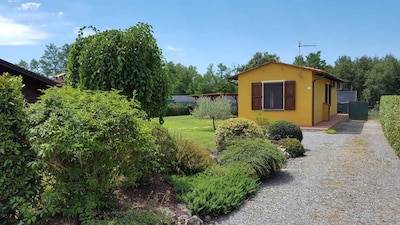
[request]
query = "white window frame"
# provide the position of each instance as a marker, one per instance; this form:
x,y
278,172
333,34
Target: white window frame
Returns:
x,y
283,94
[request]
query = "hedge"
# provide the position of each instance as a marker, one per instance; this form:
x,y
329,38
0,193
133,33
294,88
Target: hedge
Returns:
x,y
390,120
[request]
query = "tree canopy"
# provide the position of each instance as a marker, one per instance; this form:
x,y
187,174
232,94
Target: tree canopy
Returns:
x,y
127,60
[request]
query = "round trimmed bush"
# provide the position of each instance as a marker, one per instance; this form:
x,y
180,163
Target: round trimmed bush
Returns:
x,y
191,158
261,154
282,129
235,128
293,147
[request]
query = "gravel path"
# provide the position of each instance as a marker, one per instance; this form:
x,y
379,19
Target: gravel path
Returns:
x,y
348,178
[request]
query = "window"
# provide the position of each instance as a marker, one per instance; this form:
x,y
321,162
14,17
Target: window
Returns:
x,y
279,95
328,98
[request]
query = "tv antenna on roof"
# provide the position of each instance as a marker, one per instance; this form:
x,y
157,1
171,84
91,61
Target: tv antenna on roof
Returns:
x,y
300,46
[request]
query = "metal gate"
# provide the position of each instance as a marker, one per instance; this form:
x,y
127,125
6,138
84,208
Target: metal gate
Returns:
x,y
358,110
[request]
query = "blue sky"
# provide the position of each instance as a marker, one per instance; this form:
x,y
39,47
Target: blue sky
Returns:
x,y
206,32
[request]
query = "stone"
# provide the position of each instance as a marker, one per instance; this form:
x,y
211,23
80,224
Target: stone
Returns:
x,y
194,220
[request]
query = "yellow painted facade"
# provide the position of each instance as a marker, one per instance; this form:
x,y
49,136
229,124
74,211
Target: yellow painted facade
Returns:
x,y
305,79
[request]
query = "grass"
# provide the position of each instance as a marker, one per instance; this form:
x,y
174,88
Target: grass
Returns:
x,y
373,115
200,131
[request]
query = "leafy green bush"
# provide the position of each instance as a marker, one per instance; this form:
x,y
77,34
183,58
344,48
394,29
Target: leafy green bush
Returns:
x,y
177,109
19,179
90,142
390,120
135,218
235,128
293,147
217,190
281,129
191,157
261,154
168,147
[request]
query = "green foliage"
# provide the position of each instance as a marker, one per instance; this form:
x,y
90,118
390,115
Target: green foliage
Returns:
x,y
258,59
218,109
90,142
390,120
54,60
263,156
177,109
382,79
135,218
168,147
218,190
191,157
281,129
331,131
19,178
261,120
127,60
235,128
293,147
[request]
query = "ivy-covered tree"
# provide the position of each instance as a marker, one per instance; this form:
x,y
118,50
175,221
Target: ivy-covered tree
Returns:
x,y
127,60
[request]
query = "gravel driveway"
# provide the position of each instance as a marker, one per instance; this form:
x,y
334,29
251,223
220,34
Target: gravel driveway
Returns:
x,y
352,177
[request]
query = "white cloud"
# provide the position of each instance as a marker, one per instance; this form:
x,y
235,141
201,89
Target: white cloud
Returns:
x,y
170,48
60,13
29,6
13,33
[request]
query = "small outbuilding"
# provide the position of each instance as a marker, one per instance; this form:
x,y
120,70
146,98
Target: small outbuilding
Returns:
x,y
281,91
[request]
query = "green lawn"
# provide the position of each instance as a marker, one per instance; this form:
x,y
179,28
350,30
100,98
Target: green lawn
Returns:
x,y
200,131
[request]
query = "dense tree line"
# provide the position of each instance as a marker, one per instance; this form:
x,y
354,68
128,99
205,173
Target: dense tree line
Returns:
x,y
371,77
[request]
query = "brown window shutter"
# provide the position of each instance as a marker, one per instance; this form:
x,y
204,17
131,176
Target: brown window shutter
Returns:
x,y
256,96
290,95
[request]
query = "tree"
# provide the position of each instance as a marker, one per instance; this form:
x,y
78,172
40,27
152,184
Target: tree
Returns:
x,y
33,66
127,60
314,60
299,61
258,59
54,59
382,79
218,109
181,78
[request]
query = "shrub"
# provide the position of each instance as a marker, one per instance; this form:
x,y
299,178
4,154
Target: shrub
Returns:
x,y
217,190
281,129
90,142
177,109
168,147
19,179
390,120
235,128
261,154
293,147
191,157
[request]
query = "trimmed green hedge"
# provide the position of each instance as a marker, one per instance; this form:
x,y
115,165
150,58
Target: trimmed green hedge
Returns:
x,y
390,120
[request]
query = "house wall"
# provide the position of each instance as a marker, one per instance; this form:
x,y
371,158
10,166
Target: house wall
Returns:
x,y
302,115
319,98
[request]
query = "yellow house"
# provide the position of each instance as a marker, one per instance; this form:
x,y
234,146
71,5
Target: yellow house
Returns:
x,y
281,91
